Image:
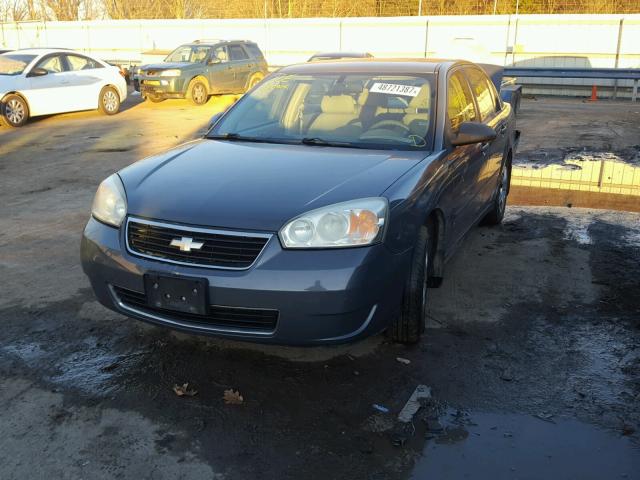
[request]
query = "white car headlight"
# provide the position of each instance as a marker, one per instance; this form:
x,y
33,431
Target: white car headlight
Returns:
x,y
110,203
170,73
347,224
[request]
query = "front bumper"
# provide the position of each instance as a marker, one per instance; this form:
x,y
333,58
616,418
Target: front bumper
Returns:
x,y
321,296
167,87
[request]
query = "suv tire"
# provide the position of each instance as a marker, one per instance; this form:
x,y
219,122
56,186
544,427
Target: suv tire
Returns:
x,y
154,98
198,92
254,80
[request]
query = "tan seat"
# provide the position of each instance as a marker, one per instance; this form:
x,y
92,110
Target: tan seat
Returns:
x,y
336,112
418,110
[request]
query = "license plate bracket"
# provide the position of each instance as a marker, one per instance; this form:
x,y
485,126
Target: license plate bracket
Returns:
x,y
187,295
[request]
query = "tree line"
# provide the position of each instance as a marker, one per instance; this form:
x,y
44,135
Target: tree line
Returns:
x,y
69,10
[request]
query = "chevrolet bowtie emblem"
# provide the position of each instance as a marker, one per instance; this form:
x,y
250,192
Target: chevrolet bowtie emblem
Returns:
x,y
186,244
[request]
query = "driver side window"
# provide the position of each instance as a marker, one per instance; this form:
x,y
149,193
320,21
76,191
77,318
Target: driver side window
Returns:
x,y
220,53
460,106
52,64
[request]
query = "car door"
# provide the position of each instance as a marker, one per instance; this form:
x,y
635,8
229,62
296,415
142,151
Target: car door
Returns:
x,y
48,93
220,70
240,62
86,79
486,171
459,189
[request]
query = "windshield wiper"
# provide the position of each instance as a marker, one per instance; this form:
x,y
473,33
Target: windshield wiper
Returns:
x,y
326,143
241,138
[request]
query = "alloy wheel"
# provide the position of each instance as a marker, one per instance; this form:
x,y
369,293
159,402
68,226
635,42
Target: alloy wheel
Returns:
x,y
199,94
14,111
110,101
423,313
504,187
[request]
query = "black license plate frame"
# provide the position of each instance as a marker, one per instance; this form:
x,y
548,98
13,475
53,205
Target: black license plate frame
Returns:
x,y
176,293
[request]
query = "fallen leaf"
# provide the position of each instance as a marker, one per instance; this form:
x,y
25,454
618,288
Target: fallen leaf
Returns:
x,y
233,397
184,390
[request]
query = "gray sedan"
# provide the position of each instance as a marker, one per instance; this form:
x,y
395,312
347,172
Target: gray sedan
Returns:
x,y
318,209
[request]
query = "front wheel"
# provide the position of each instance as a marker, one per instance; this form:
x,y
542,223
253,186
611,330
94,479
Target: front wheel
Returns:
x,y
14,110
408,327
109,101
198,92
496,214
154,98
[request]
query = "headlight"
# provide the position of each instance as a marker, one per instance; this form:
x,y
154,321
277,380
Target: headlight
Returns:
x,y
170,73
348,224
110,203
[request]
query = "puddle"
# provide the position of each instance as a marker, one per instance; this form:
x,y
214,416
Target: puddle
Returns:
x,y
514,446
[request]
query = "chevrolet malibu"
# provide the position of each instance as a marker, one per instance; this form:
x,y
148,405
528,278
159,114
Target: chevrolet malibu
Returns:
x,y
318,209
36,82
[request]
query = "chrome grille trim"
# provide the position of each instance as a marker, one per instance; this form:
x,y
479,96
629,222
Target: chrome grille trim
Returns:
x,y
190,229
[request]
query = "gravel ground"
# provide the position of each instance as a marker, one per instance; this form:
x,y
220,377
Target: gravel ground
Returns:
x,y
532,349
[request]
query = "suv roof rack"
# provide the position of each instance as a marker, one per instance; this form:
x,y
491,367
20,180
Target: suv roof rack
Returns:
x,y
218,40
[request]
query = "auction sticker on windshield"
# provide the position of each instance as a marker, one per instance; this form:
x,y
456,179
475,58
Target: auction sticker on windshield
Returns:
x,y
395,89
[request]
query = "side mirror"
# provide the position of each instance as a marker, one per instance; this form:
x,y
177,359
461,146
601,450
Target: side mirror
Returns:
x,y
38,72
473,132
214,61
214,119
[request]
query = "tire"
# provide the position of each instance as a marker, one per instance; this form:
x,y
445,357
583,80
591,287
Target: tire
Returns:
x,y
410,325
154,98
14,110
109,101
198,92
496,214
254,80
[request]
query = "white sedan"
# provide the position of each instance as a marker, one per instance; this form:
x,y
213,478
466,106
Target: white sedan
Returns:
x,y
37,82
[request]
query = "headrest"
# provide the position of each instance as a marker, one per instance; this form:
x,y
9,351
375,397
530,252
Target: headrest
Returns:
x,y
422,99
362,98
338,104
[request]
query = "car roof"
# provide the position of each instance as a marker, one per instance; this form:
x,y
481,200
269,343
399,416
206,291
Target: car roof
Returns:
x,y
44,51
213,41
342,54
373,65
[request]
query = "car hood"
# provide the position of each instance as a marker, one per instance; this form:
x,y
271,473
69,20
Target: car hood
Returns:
x,y
166,65
255,186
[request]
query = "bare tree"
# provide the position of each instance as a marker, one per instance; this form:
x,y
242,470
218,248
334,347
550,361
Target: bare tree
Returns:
x,y
62,9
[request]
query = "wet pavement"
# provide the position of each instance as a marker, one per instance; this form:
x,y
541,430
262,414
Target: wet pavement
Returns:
x,y
532,349
524,447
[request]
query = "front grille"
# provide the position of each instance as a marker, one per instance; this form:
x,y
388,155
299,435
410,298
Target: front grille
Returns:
x,y
220,249
224,318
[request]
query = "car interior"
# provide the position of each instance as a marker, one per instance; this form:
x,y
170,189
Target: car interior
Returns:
x,y
345,109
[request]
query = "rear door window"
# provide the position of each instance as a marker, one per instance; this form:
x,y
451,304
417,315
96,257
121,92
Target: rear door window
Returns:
x,y
77,63
460,105
236,52
254,50
481,87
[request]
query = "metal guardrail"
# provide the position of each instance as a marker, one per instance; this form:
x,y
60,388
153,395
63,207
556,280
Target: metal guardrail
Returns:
x,y
602,73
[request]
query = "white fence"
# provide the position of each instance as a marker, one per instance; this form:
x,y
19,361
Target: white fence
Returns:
x,y
520,40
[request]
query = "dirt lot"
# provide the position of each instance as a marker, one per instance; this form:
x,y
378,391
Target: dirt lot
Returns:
x,y
532,351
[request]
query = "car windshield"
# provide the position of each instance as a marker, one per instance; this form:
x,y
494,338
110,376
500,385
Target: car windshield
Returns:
x,y
14,63
188,53
349,110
